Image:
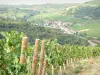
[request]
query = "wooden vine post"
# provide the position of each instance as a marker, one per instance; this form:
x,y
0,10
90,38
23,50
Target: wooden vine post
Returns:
x,y
28,66
35,56
44,67
24,50
91,58
71,60
41,58
64,66
67,63
52,70
60,70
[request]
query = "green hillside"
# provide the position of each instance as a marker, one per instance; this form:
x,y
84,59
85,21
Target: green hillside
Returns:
x,y
94,2
92,26
90,11
87,15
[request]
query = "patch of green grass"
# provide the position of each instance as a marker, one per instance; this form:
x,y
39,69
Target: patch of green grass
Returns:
x,y
78,69
20,15
45,16
94,28
2,15
77,20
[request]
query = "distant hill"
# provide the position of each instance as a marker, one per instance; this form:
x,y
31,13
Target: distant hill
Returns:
x,y
90,10
94,2
82,16
90,13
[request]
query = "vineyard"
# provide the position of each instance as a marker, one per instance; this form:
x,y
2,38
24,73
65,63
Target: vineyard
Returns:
x,y
19,57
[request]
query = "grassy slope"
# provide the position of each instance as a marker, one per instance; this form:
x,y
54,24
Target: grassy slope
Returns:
x,y
93,26
84,67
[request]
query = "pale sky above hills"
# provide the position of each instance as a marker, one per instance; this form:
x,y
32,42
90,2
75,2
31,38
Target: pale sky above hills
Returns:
x,y
29,2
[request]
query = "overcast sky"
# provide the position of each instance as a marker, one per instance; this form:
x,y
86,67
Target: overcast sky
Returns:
x,y
29,2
